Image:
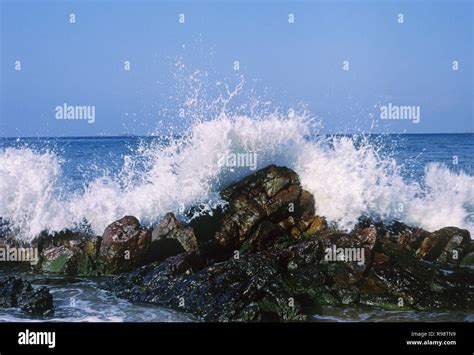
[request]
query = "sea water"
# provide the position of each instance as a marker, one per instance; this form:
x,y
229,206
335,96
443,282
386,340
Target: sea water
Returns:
x,y
424,180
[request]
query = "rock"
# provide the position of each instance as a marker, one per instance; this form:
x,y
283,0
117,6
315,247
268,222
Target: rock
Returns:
x,y
468,260
359,239
262,238
171,228
271,195
395,230
68,252
448,244
308,226
365,237
418,285
124,245
58,260
316,224
15,292
412,238
77,254
185,263
171,237
287,224
91,247
282,270
306,203
263,285
236,290
37,302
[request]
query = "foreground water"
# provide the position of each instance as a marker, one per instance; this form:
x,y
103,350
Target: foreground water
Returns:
x,y
83,300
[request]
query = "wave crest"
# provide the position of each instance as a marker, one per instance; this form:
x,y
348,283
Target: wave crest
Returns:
x,y
348,178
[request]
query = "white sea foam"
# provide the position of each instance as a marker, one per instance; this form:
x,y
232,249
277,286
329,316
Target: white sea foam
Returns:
x,y
31,191
348,182
347,179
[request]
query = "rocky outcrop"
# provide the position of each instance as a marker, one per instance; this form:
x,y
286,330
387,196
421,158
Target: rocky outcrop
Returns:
x,y
261,208
15,292
124,246
285,284
267,256
258,203
266,209
246,289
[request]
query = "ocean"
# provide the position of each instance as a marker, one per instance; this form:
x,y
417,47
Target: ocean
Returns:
x,y
55,183
424,180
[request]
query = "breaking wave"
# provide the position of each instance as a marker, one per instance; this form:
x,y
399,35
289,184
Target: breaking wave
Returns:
x,y
347,177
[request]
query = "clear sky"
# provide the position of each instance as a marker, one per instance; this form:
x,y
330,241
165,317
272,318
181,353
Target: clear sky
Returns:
x,y
83,63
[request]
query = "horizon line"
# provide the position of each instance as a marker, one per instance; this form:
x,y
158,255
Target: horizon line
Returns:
x,y
178,134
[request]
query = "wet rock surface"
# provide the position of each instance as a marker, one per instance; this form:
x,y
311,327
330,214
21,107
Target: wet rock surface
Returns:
x,y
124,245
268,257
69,253
16,292
171,237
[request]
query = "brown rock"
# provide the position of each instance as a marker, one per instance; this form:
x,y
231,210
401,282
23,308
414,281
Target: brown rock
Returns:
x,y
273,194
448,244
124,245
413,239
171,228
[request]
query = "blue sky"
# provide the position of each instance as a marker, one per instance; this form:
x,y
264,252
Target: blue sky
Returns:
x,y
82,63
